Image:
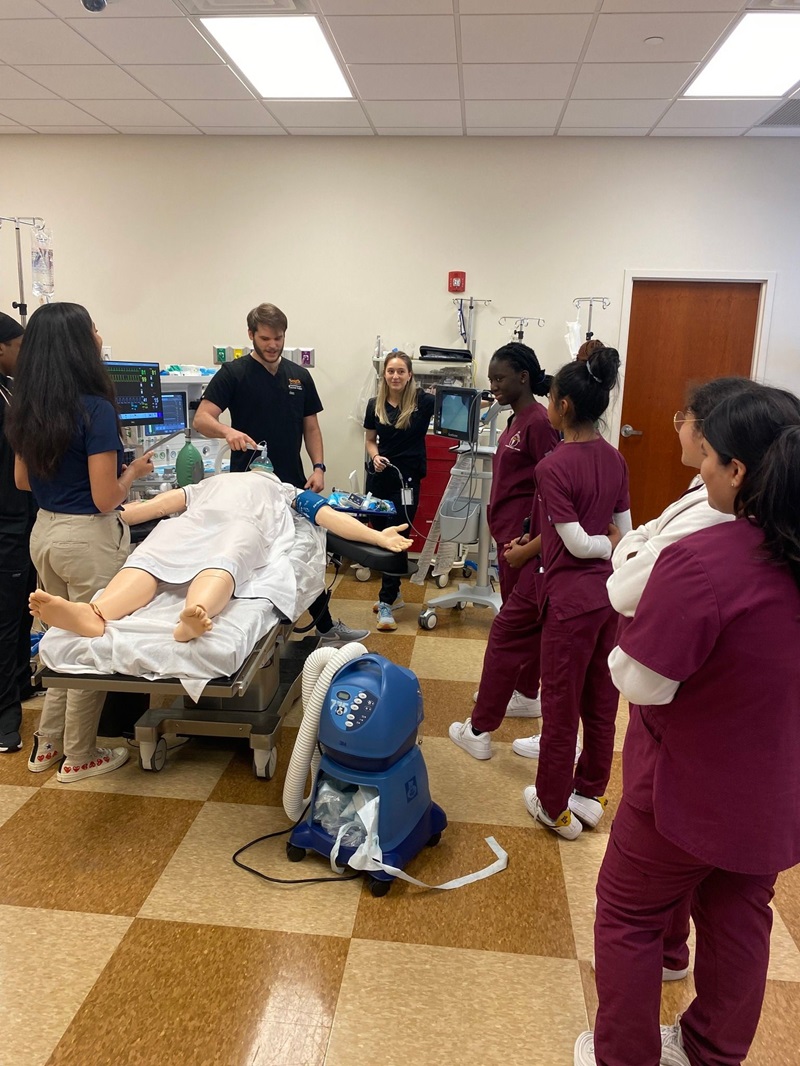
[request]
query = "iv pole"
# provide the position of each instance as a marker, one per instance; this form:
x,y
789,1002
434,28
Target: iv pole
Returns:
x,y
520,322
20,304
591,300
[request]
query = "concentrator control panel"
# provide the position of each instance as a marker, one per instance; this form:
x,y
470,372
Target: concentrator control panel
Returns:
x,y
351,708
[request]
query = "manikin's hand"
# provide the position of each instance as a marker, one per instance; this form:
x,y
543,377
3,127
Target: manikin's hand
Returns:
x,y
240,442
393,539
316,483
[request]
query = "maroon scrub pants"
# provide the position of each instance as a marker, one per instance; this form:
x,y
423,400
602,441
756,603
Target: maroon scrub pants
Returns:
x,y
513,653
576,687
643,880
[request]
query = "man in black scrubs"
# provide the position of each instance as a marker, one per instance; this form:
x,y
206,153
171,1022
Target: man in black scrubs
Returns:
x,y
277,402
17,575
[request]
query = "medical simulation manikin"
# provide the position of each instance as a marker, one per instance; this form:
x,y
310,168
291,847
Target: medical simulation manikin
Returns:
x,y
231,539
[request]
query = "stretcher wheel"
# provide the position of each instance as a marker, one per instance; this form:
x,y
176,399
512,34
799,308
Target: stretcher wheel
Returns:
x,y
466,572
295,854
461,606
153,756
264,763
428,619
434,840
379,888
363,573
442,581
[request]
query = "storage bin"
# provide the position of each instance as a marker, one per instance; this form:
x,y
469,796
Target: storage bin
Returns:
x,y
460,519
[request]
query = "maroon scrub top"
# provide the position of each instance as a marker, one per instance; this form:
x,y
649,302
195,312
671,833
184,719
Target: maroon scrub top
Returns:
x,y
585,482
720,765
527,438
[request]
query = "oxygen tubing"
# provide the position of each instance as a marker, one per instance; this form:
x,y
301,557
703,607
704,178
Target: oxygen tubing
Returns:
x,y
318,672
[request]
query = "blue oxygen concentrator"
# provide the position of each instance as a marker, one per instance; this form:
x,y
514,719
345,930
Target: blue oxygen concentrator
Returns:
x,y
368,737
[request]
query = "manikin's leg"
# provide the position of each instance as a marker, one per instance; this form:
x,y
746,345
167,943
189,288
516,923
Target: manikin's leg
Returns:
x,y
126,592
210,591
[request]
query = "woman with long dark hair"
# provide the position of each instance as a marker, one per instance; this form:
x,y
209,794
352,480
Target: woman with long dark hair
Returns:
x,y
65,432
711,804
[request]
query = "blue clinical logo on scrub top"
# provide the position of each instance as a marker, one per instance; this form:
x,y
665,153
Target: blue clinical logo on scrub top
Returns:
x,y
411,789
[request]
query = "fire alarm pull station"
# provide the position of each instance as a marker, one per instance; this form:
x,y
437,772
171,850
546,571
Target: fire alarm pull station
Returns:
x,y
456,281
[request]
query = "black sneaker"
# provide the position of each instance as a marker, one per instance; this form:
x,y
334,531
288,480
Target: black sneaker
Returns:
x,y
10,742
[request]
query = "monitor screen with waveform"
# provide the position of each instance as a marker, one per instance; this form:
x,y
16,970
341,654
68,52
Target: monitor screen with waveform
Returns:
x,y
138,391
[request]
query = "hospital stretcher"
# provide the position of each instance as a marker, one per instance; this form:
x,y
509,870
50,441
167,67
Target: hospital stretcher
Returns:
x,y
251,702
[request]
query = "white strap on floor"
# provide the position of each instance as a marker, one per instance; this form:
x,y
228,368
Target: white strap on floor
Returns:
x,y
369,856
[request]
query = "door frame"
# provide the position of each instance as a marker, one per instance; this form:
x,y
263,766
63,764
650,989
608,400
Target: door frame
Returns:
x,y
767,280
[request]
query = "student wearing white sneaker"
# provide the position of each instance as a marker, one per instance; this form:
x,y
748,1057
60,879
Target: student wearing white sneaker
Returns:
x,y
509,686
698,664
395,426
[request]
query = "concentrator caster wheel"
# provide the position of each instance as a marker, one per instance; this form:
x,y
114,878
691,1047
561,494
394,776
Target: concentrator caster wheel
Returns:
x,y
434,840
461,606
428,619
295,854
466,572
264,763
153,756
442,581
363,573
379,888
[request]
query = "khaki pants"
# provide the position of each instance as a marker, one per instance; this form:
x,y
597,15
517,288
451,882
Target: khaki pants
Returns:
x,y
75,556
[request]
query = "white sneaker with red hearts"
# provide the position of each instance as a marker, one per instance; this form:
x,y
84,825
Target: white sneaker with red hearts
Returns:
x,y
101,761
45,754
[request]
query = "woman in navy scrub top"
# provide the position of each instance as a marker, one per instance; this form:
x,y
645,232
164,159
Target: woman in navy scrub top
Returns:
x,y
65,432
711,803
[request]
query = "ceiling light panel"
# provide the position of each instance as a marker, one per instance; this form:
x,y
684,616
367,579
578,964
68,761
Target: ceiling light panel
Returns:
x,y
760,58
283,57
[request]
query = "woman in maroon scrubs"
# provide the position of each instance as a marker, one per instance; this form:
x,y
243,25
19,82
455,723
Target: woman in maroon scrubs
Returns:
x,y
711,804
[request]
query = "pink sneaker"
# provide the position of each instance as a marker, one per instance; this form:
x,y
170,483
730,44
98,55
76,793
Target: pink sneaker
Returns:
x,y
45,754
101,761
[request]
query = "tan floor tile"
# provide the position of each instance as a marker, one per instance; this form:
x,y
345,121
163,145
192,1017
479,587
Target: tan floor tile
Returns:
x,y
207,995
494,914
201,884
787,900
470,622
347,587
14,765
444,1006
448,658
190,772
81,852
623,717
12,798
580,862
42,989
776,1039
473,791
784,957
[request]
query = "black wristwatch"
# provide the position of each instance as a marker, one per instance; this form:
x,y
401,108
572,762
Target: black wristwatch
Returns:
x,y
320,466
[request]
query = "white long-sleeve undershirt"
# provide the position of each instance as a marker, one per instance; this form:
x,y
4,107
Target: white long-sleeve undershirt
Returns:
x,y
585,546
640,684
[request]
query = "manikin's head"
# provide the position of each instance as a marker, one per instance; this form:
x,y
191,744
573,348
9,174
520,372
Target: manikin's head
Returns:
x,y
11,333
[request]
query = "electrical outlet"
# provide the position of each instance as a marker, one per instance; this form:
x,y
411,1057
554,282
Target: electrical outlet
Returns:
x,y
106,351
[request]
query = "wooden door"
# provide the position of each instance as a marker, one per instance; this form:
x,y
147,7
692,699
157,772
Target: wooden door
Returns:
x,y
680,332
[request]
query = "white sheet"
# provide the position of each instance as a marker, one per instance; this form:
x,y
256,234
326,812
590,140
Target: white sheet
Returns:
x,y
141,645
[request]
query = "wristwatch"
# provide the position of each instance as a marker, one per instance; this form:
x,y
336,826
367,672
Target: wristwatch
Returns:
x,y
320,466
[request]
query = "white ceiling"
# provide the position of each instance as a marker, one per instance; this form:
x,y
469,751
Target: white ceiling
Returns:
x,y
416,67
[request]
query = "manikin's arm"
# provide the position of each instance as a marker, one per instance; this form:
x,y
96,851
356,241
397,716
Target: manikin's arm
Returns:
x,y
166,503
344,525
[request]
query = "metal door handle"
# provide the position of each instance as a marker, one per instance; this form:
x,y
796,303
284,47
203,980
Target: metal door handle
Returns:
x,y
628,431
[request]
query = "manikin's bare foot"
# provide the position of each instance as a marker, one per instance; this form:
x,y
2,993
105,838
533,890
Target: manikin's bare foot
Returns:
x,y
194,622
56,611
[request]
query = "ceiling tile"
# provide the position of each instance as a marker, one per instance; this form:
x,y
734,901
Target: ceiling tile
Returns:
x,y
162,40
15,86
191,81
511,131
419,131
244,131
392,39
650,6
406,81
719,113
131,9
603,131
5,120
513,112
631,81
23,9
330,131
774,131
385,7
414,112
687,37
46,113
133,112
344,114
81,82
698,131
12,129
616,113
81,130
162,131
527,7
223,112
517,81
523,38
44,41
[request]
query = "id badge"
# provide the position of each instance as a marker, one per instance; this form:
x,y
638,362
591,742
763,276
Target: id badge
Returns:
x,y
407,495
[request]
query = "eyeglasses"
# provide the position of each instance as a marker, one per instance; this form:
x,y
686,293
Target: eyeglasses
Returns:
x,y
680,417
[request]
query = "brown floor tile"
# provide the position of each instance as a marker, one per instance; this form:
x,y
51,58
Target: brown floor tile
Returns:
x,y
776,1042
206,995
86,852
495,914
349,588
451,701
238,784
787,900
396,647
12,798
14,765
447,658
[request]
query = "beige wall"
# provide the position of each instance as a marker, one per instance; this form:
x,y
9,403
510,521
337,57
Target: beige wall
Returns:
x,y
170,240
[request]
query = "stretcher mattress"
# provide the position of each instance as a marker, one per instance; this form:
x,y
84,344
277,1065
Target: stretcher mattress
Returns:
x,y
141,645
